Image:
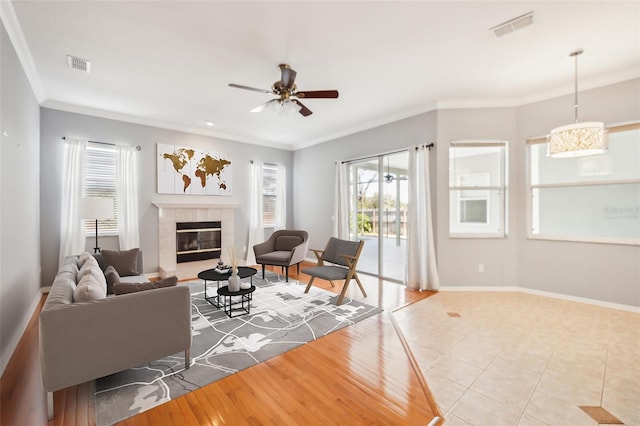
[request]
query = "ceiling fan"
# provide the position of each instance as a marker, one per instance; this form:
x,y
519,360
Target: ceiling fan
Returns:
x,y
288,94
390,177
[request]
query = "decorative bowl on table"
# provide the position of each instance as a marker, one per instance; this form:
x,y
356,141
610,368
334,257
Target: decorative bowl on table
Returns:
x,y
222,269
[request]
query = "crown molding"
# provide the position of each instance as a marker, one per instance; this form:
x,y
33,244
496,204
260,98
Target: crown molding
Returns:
x,y
14,30
163,124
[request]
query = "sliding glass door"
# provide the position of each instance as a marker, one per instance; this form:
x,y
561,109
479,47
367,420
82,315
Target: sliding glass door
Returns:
x,y
378,212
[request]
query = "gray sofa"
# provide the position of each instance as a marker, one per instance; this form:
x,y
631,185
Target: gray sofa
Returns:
x,y
82,341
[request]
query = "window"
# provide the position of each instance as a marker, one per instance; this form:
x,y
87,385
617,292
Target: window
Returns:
x,y
594,198
477,188
273,196
100,181
269,194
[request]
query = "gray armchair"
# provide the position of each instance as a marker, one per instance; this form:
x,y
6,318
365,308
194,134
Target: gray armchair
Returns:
x,y
284,248
343,256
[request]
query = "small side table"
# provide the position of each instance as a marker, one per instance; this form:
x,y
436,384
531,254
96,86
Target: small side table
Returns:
x,y
214,275
242,306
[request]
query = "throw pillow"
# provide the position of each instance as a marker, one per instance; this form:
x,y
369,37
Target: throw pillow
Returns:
x,y
125,262
124,288
84,256
112,278
88,289
91,267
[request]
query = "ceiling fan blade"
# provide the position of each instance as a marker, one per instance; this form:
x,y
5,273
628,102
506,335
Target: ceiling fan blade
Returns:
x,y
262,107
239,86
317,94
303,109
288,76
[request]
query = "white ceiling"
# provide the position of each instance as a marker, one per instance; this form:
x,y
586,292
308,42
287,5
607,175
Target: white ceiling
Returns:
x,y
169,63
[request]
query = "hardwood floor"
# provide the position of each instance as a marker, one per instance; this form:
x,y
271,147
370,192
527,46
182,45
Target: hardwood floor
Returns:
x,y
358,375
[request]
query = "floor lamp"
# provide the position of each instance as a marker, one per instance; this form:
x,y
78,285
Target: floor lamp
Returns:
x,y
96,208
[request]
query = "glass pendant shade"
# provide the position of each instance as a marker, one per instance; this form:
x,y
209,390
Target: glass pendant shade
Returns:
x,y
579,139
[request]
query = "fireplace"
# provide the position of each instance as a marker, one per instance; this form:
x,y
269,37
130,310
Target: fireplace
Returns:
x,y
198,241
170,214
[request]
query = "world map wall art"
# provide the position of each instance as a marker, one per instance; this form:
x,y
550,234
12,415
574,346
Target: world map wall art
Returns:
x,y
190,171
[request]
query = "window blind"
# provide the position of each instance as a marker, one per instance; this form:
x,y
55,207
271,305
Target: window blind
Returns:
x,y
100,181
269,193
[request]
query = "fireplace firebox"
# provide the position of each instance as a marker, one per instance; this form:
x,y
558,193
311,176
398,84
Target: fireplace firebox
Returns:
x,y
198,241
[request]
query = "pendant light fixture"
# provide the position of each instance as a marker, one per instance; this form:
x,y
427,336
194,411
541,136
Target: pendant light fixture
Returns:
x,y
578,139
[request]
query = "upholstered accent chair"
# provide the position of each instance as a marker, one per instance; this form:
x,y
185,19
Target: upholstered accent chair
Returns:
x,y
284,248
343,256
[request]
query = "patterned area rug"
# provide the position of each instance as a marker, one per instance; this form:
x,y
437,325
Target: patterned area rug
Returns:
x,y
282,318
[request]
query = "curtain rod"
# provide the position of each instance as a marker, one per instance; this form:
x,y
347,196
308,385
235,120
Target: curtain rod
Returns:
x,y
138,147
428,146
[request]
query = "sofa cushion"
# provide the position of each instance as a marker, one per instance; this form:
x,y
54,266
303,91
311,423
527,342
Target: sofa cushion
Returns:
x,y
287,242
112,277
274,256
61,292
124,288
89,289
125,262
69,270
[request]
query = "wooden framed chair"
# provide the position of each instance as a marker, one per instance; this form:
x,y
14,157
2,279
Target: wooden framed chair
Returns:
x,y
343,256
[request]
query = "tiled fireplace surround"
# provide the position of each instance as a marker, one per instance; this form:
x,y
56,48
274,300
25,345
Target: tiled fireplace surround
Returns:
x,y
169,214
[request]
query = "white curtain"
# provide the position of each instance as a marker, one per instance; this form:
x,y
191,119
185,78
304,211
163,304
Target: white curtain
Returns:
x,y
341,202
281,199
127,193
422,272
72,234
256,227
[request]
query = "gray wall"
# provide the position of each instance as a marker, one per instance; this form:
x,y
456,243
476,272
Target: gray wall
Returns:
x,y
56,124
19,199
314,174
458,258
605,272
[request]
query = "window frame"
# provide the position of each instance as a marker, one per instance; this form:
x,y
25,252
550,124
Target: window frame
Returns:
x,y
273,169
106,227
503,188
530,189
468,197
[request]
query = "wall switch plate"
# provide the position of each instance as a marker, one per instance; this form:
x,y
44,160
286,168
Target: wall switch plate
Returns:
x,y
480,267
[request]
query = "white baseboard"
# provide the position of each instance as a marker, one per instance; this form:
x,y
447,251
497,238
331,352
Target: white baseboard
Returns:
x,y
479,288
19,332
601,303
595,302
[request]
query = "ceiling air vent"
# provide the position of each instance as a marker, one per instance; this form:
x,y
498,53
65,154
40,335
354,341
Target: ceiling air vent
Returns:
x,y
79,64
513,24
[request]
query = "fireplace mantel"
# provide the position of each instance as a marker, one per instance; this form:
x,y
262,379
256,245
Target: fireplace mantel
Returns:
x,y
194,206
169,213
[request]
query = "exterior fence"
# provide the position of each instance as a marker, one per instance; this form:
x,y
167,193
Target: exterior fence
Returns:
x,y
390,226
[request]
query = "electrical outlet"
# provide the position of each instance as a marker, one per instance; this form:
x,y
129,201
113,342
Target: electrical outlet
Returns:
x,y
480,267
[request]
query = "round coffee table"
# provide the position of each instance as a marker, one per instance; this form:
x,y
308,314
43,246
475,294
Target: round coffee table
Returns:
x,y
213,275
228,304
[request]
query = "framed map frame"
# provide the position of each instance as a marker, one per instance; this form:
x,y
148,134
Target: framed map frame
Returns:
x,y
183,170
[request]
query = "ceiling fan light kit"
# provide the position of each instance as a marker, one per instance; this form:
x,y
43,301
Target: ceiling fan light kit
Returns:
x,y
578,139
288,94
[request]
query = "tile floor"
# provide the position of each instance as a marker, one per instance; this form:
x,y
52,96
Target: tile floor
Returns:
x,y
518,359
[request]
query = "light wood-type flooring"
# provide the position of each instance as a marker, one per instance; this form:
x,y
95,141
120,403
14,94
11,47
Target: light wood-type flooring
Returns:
x,y
361,374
